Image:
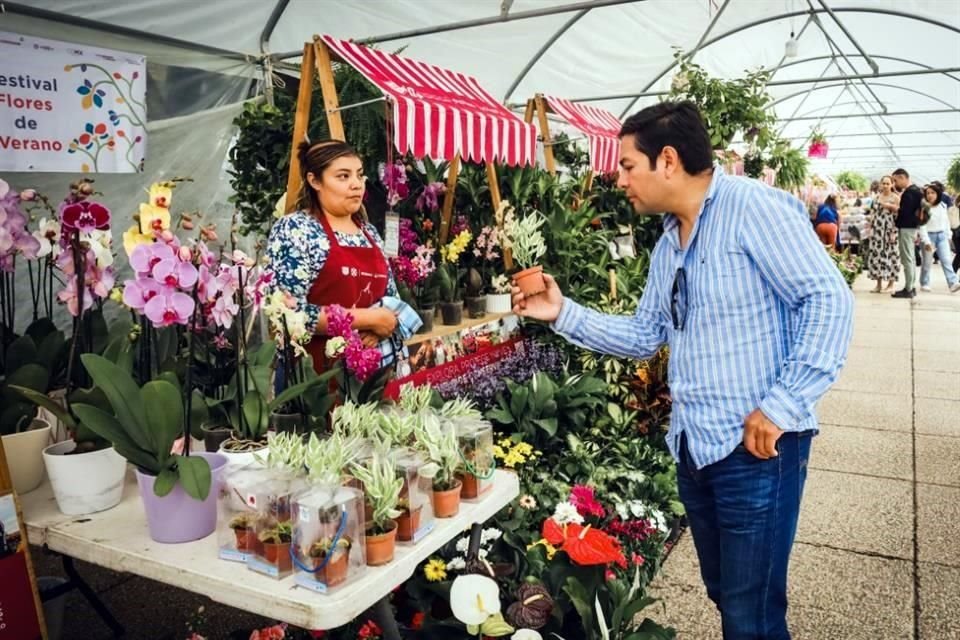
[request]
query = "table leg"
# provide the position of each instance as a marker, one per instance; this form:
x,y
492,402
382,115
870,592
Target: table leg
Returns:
x,y
383,616
80,585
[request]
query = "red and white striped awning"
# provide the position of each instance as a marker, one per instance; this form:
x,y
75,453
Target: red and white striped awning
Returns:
x,y
439,113
601,128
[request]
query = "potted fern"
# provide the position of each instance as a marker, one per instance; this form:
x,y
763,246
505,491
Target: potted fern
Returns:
x,y
381,486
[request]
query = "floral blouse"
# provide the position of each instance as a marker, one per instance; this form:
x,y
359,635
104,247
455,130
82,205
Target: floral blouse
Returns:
x,y
297,249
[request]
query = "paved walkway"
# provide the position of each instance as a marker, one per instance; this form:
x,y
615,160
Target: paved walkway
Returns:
x,y
878,548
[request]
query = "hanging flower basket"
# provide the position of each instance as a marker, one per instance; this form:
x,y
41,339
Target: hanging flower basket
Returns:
x,y
818,149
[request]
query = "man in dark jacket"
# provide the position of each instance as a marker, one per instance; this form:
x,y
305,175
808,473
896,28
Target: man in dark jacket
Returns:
x,y
908,221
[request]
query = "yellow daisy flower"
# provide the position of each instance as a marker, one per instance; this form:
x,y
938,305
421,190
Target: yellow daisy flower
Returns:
x,y
435,570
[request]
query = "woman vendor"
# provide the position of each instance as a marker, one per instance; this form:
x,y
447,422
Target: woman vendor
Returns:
x,y
326,253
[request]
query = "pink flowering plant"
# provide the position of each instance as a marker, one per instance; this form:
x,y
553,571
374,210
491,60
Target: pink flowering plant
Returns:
x,y
358,361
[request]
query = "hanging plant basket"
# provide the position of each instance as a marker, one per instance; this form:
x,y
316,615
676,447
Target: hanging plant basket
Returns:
x,y
818,149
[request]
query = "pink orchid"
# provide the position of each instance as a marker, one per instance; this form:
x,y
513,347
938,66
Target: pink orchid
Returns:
x,y
146,256
100,281
223,312
257,292
207,257
220,341
169,308
173,273
137,293
429,198
363,362
70,297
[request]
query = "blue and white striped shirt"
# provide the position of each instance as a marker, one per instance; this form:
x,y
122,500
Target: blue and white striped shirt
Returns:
x,y
768,318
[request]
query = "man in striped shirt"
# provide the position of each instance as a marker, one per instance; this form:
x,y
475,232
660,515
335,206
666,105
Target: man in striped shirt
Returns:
x,y
758,321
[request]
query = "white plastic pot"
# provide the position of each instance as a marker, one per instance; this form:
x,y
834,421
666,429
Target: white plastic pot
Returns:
x,y
499,303
24,455
84,482
242,458
59,431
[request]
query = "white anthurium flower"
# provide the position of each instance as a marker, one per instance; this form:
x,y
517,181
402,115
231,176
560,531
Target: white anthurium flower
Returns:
x,y
474,598
526,634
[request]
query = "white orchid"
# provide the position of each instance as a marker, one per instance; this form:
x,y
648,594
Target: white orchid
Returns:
x,y
526,634
48,234
474,598
335,346
100,241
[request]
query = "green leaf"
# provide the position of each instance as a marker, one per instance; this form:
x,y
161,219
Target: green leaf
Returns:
x,y
165,482
294,392
123,394
40,329
30,376
21,352
264,355
195,476
99,331
255,415
48,403
164,410
495,626
109,428
49,350
547,424
16,417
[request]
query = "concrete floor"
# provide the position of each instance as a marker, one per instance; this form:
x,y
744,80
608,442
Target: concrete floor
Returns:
x,y
878,548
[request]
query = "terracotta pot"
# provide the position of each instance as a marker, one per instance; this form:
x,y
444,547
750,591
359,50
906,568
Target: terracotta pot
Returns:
x,y
278,555
246,540
426,316
335,571
531,281
408,524
380,547
452,313
471,486
446,504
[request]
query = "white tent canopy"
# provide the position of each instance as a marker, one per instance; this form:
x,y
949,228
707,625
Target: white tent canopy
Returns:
x,y
607,50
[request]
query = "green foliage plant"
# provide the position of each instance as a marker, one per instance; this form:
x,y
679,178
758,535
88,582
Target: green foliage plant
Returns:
x,y
381,488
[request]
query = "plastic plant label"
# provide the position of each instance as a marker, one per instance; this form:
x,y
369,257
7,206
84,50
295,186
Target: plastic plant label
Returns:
x,y
391,240
307,581
260,566
232,555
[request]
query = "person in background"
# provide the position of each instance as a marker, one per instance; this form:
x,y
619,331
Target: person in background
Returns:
x,y
883,263
935,239
827,222
908,221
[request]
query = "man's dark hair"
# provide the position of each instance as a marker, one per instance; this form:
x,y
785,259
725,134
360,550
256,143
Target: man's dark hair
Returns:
x,y
901,172
674,124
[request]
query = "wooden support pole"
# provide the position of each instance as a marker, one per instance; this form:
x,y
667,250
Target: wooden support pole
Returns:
x,y
300,124
329,88
528,113
541,106
448,197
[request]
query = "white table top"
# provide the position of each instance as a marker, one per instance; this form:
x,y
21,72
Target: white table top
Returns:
x,y
118,539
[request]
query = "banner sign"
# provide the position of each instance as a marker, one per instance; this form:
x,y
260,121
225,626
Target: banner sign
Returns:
x,y
70,108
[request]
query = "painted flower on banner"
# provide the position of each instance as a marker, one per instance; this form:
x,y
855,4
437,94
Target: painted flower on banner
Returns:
x,y
91,95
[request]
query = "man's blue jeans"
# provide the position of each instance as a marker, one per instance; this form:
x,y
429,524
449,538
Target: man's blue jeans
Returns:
x,y
743,515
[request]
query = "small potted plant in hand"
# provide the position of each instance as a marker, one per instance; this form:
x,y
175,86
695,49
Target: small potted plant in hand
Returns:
x,y
438,441
451,306
381,486
331,560
524,237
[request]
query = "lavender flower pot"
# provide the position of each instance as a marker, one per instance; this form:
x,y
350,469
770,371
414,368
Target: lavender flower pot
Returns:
x,y
177,517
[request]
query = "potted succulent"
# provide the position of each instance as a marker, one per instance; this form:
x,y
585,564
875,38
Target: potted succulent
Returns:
x,y
143,424
438,441
275,540
331,561
381,487
451,306
524,237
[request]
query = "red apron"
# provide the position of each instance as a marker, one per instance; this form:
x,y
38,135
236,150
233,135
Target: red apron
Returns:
x,y
352,277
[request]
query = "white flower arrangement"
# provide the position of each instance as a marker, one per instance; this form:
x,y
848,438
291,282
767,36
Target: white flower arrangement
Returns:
x,y
501,284
524,237
281,308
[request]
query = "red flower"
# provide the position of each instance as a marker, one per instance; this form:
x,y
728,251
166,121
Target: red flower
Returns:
x,y
637,560
276,632
416,623
369,630
100,129
583,499
85,216
318,633
85,138
584,545
116,74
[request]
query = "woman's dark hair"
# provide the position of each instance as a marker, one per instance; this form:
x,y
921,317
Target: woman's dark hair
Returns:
x,y
937,188
315,158
674,124
831,201
858,202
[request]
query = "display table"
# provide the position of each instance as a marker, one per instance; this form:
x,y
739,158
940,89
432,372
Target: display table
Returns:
x,y
117,539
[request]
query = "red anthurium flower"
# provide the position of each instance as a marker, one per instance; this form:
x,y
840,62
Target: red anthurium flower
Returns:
x,y
584,544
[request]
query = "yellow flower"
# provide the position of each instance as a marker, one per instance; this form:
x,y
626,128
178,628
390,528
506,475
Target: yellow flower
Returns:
x,y
551,550
435,570
160,195
498,452
153,218
524,448
132,237
452,250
